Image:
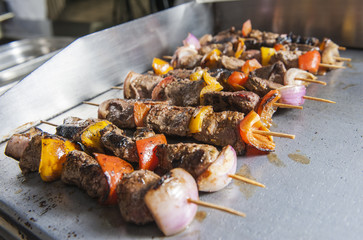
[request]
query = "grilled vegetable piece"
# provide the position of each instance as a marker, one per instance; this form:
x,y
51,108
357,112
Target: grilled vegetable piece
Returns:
x,y
168,201
72,127
253,122
161,67
196,122
216,176
310,61
113,168
53,155
250,65
246,28
131,190
91,136
266,108
266,54
146,151
194,158
186,58
237,79
82,170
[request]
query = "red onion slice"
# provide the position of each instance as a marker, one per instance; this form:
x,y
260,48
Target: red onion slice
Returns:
x,y
293,95
191,41
168,201
216,176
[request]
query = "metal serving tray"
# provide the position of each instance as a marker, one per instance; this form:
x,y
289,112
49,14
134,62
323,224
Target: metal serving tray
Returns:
x,y
314,183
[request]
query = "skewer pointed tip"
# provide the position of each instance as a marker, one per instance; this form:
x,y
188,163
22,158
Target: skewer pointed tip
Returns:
x,y
218,207
318,99
246,180
275,134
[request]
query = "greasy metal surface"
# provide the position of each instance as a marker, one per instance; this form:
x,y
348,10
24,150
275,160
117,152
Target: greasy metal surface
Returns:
x,y
316,196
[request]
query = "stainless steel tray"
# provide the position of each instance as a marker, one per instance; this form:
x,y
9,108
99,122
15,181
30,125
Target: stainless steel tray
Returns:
x,y
313,182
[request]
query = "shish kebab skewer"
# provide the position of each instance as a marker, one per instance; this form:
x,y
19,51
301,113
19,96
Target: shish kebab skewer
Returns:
x,y
216,128
212,169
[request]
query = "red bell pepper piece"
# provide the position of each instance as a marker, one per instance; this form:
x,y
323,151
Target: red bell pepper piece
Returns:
x,y
250,65
266,108
246,28
114,169
140,112
310,61
156,93
237,80
279,46
146,151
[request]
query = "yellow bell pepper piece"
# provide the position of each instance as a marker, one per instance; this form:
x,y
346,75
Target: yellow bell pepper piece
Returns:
x,y
212,85
211,59
197,75
240,48
91,136
53,155
161,67
196,122
266,54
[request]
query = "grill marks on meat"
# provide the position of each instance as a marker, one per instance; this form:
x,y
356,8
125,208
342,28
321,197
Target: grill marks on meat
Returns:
x,y
130,194
241,101
259,85
274,72
221,129
289,58
194,158
118,111
182,92
82,170
170,120
138,86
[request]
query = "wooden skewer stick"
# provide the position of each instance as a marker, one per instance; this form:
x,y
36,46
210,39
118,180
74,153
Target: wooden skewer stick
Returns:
x,y
330,66
91,103
343,59
168,57
311,80
246,180
49,123
218,207
275,134
118,88
318,99
342,48
283,105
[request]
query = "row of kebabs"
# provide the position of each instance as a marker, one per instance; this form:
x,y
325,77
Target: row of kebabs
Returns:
x,y
174,109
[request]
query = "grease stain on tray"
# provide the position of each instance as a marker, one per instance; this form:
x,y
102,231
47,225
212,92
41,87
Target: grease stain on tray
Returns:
x,y
275,160
247,189
200,216
300,158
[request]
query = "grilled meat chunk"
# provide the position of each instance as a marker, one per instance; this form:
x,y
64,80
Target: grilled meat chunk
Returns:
x,y
17,144
82,170
289,58
170,120
179,73
181,92
274,72
120,145
194,158
118,111
231,63
186,57
250,54
143,132
241,101
138,86
131,190
259,85
221,129
72,127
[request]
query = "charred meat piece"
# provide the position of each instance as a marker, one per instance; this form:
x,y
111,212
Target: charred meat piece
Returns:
x,y
274,72
138,86
181,92
241,101
122,146
179,73
17,144
143,132
289,58
82,170
170,120
131,190
251,54
118,111
221,129
72,127
231,63
229,35
259,85
194,158
292,38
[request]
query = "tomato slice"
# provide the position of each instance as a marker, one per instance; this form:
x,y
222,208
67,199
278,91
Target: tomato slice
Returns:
x,y
266,108
146,151
114,168
253,122
310,61
237,80
246,28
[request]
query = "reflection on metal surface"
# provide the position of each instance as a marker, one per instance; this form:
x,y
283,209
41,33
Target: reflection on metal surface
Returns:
x,y
297,157
247,189
275,160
